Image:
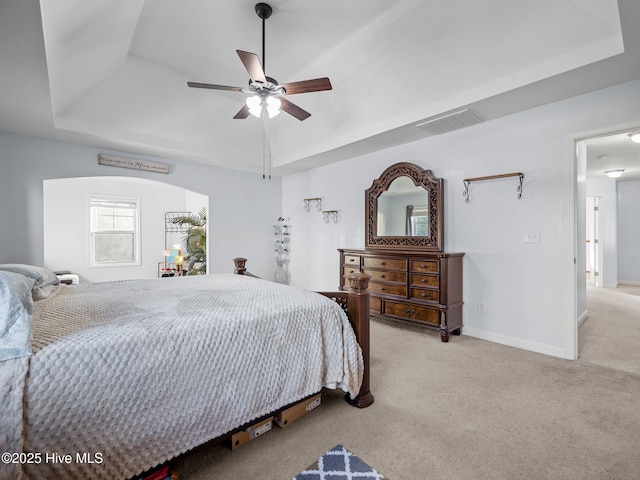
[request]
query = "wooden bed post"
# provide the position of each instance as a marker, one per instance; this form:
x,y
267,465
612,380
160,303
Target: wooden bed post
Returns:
x,y
241,269
359,316
240,265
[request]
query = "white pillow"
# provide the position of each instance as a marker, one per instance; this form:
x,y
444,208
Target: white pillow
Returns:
x,y
45,280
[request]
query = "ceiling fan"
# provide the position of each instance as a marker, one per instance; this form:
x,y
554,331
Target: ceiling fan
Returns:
x,y
267,97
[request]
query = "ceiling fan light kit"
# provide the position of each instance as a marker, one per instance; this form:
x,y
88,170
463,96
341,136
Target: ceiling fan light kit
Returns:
x,y
614,173
257,105
635,136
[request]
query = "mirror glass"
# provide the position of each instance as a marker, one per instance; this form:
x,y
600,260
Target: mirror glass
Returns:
x,y
402,210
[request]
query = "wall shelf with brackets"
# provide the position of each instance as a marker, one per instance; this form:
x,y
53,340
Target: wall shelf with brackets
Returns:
x,y
308,201
333,215
468,181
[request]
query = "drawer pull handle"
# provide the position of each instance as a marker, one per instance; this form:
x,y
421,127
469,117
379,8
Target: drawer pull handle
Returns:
x,y
423,295
352,259
383,263
383,276
424,280
409,311
383,289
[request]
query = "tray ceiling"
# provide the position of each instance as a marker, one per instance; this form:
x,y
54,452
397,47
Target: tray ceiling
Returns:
x,y
113,73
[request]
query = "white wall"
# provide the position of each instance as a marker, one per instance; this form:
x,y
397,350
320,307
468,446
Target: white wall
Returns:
x,y
66,223
527,288
606,189
242,207
629,232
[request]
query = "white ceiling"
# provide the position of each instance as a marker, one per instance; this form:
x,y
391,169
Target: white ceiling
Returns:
x,y
113,73
613,152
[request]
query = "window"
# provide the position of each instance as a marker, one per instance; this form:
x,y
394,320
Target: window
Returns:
x,y
417,220
114,231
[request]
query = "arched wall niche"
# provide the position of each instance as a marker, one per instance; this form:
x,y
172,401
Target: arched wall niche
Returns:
x,y
66,222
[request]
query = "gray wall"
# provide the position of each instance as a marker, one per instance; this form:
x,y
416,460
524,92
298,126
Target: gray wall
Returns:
x,y
629,232
242,207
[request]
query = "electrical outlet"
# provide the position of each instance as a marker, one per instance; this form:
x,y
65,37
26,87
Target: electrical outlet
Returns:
x,y
532,237
482,307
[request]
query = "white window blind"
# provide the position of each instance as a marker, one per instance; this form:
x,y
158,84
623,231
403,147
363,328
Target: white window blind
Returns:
x,y
114,231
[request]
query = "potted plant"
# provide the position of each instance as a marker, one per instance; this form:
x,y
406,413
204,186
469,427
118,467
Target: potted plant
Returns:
x,y
194,243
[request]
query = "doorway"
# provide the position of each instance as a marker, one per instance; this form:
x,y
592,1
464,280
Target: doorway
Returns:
x,y
602,243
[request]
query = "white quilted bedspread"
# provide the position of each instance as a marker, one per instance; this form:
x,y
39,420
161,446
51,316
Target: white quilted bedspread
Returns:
x,y
141,371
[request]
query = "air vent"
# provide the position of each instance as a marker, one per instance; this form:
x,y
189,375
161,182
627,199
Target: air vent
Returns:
x,y
450,122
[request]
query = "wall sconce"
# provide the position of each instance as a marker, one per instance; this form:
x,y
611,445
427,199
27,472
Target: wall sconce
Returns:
x,y
328,215
307,203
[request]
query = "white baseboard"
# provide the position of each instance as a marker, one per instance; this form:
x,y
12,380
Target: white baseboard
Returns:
x,y
583,317
516,342
629,282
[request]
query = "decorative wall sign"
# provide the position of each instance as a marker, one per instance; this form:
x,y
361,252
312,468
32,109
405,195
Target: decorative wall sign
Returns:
x,y
133,164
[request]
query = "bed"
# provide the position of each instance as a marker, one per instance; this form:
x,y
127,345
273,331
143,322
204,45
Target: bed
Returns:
x,y
109,380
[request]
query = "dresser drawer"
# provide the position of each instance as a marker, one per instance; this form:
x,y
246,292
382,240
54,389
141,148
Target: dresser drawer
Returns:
x,y
425,266
427,295
347,270
425,280
412,312
388,289
386,276
352,260
386,263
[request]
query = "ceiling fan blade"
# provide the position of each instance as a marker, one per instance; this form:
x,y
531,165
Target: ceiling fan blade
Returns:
x,y
306,86
252,64
242,113
213,87
294,110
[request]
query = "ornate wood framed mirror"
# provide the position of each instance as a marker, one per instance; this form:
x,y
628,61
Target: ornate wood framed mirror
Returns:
x,y
404,210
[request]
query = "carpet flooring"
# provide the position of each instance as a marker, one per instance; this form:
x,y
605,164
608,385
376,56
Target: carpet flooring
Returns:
x,y
610,336
469,409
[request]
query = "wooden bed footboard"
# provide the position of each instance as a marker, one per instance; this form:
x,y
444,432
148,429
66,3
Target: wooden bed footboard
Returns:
x,y
355,301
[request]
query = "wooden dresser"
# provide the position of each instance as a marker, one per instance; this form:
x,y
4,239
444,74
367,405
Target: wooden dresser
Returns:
x,y
420,288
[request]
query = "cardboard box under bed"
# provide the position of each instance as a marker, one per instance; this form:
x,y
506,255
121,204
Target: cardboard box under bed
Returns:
x,y
282,419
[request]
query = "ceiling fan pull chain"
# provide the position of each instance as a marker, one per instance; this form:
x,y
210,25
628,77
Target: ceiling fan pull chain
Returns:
x,y
266,144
